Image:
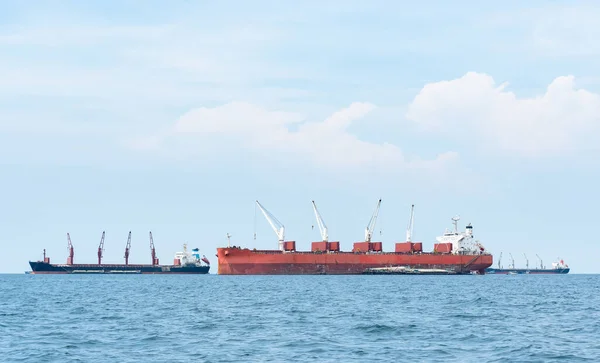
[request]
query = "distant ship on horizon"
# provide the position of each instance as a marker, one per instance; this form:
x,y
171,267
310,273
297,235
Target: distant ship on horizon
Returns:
x,y
558,267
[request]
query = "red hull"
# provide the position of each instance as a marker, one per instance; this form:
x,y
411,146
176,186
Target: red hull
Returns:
x,y
236,261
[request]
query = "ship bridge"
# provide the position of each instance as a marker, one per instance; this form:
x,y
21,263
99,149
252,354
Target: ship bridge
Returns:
x,y
462,242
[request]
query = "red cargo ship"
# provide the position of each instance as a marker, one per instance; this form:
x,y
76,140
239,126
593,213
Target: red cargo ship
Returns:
x,y
455,253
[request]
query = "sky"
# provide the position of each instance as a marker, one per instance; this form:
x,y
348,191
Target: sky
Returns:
x,y
175,117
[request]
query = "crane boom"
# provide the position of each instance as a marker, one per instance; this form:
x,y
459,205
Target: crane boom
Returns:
x,y
526,261
127,248
499,260
153,250
277,226
70,249
512,260
409,229
371,225
101,249
321,223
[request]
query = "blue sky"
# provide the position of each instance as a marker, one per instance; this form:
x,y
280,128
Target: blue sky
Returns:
x,y
176,116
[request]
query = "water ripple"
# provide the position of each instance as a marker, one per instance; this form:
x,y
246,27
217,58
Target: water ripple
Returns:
x,y
299,318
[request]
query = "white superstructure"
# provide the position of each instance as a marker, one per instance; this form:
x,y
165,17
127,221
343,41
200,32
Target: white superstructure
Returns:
x,y
559,265
187,258
463,243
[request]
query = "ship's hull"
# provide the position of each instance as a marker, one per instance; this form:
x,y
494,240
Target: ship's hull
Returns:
x,y
40,267
237,261
523,271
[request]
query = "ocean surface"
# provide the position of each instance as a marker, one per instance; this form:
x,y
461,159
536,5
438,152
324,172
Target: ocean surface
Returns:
x,y
211,318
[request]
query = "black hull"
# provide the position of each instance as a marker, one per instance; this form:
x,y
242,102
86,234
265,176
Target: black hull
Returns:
x,y
523,271
47,268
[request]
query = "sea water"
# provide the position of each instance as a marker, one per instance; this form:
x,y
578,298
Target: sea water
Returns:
x,y
211,318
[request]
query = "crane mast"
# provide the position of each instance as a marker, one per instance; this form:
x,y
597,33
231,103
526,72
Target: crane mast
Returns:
x,y
526,261
512,260
371,225
277,226
499,260
70,249
101,249
127,248
153,251
541,262
321,223
409,229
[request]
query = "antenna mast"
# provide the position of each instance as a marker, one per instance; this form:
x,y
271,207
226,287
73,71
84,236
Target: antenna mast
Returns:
x,y
255,205
409,229
127,248
321,223
371,225
455,222
101,249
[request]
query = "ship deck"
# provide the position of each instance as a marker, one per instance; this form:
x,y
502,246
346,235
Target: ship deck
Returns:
x,y
278,252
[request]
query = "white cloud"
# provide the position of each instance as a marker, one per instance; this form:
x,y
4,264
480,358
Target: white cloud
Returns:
x,y
144,142
234,117
473,109
567,30
326,144
178,61
53,36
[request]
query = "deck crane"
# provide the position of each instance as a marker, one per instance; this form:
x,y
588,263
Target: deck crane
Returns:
x,y
70,249
409,229
371,225
512,265
321,223
526,261
277,226
541,262
101,249
127,248
499,260
153,251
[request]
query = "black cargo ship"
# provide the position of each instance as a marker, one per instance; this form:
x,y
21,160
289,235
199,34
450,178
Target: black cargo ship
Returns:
x,y
527,271
41,267
558,268
183,263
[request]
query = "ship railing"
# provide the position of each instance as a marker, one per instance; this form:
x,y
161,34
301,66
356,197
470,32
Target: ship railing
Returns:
x,y
277,252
